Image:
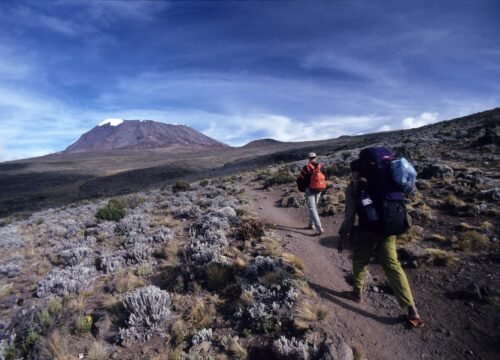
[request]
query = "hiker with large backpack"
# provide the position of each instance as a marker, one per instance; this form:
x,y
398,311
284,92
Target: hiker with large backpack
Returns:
x,y
312,181
376,196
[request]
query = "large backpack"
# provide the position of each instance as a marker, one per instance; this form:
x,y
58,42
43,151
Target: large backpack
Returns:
x,y
386,194
317,181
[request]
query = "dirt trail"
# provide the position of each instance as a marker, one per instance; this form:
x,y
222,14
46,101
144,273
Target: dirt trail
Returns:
x,y
375,325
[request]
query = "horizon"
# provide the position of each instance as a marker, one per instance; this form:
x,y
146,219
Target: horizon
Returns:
x,y
241,71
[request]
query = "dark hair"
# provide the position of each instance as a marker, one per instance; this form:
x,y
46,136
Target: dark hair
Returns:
x,y
355,165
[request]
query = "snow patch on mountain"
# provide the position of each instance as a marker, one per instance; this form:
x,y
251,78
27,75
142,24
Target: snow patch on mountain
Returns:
x,y
112,122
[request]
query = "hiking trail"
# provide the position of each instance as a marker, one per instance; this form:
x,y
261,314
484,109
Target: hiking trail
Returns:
x,y
375,326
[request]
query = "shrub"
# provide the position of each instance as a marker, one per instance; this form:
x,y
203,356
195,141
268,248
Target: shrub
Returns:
x,y
113,211
218,275
294,348
181,185
54,306
251,229
281,176
83,324
204,182
148,308
72,280
204,335
75,256
340,169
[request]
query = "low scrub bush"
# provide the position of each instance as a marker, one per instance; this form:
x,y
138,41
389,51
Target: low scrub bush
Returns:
x,y
281,176
148,308
181,185
219,275
340,169
113,211
251,229
83,324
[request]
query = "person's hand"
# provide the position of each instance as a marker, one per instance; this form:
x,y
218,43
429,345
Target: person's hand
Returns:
x,y
342,243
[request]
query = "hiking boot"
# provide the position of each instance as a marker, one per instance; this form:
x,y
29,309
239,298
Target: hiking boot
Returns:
x,y
414,319
320,231
355,296
311,227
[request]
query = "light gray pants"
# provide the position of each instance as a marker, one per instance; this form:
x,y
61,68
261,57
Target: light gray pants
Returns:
x,y
312,199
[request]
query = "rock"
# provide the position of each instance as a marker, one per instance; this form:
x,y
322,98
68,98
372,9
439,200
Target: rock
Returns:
x,y
435,170
338,350
103,326
422,185
492,195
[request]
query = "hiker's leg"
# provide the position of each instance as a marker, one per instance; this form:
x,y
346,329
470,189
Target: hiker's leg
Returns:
x,y
311,204
388,257
362,253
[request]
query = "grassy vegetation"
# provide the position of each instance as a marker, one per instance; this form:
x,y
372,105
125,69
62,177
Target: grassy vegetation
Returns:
x,y
218,275
280,176
113,211
97,351
471,240
181,185
438,257
83,324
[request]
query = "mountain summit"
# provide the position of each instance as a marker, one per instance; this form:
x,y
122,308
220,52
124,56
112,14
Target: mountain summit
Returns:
x,y
139,134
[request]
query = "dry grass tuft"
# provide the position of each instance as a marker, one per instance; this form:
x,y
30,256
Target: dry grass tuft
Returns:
x,y
5,289
97,351
487,226
359,352
125,280
455,203
297,264
201,314
464,226
170,253
304,288
270,246
246,298
437,238
236,350
305,311
56,347
175,354
179,331
240,263
438,257
471,240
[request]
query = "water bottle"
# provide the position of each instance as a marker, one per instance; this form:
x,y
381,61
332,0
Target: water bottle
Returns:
x,y
368,207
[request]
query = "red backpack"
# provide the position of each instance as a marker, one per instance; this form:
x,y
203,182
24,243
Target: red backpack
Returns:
x,y
318,179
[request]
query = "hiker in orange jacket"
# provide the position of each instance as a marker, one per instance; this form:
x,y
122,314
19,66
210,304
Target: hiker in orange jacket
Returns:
x,y
314,176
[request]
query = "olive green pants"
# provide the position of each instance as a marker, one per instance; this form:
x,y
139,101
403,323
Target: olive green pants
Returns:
x,y
384,249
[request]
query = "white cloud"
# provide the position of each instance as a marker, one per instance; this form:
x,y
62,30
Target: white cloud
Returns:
x,y
385,128
240,129
425,118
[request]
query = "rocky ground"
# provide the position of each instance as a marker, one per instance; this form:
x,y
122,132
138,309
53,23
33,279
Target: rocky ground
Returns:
x,y
223,267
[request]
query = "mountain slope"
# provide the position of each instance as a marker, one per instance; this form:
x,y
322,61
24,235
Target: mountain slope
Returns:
x,y
140,134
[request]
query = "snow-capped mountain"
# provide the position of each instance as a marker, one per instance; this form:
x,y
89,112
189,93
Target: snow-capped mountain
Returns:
x,y
139,134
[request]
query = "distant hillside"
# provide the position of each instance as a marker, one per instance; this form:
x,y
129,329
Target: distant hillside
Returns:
x,y
261,142
140,134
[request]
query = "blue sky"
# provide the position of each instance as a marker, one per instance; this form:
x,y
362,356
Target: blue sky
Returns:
x,y
237,71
